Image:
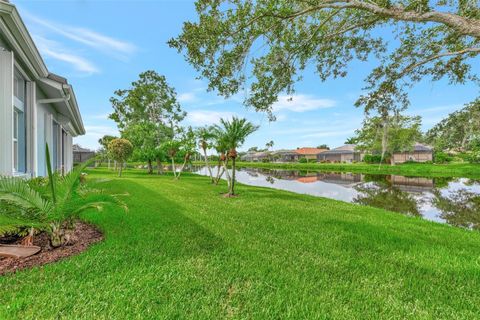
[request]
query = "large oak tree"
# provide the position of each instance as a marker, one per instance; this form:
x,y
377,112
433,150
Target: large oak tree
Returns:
x,y
266,44
148,113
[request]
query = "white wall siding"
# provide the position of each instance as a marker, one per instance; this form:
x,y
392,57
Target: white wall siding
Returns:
x,y
68,153
6,112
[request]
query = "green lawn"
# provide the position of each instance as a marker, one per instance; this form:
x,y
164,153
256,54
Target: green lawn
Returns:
x,y
465,170
184,251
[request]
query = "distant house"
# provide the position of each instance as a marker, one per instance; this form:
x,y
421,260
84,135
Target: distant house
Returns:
x,y
309,153
81,154
285,155
420,153
345,153
254,156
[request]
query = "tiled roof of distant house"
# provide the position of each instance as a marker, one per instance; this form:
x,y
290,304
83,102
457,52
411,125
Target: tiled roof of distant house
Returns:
x,y
284,152
77,148
348,148
309,151
421,147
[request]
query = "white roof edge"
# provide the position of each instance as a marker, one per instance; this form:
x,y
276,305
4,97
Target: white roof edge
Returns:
x,y
28,52
12,18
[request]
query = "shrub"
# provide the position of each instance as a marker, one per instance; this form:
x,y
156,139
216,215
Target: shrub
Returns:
x,y
474,156
442,157
372,158
120,150
303,160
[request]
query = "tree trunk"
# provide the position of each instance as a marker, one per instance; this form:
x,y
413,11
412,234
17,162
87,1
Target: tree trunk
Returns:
x,y
207,164
174,169
219,176
392,161
120,169
149,165
225,166
182,167
384,140
159,166
232,184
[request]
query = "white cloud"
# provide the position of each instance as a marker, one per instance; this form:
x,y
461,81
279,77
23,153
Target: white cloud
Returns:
x,y
187,97
93,133
100,116
329,133
108,45
301,103
54,50
207,117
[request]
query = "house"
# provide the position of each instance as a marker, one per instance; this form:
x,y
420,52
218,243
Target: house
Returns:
x,y
420,153
285,155
254,156
309,153
345,153
81,154
36,107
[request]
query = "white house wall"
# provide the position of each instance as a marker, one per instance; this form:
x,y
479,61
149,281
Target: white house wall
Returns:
x,y
6,111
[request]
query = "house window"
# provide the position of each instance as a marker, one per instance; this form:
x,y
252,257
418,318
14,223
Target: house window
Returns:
x,y
19,127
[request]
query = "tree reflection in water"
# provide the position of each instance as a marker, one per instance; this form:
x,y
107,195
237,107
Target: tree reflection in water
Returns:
x,y
270,179
385,196
460,208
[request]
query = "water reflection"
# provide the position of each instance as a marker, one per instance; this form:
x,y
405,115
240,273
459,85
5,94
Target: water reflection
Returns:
x,y
382,195
459,207
452,200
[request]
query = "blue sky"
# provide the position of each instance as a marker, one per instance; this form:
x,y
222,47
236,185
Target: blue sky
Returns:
x,y
101,46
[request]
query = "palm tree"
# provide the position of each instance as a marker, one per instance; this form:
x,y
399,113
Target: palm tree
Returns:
x,y
221,146
172,147
235,133
205,136
187,147
53,207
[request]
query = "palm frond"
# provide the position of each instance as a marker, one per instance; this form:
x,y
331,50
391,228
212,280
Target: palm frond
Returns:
x,y
17,190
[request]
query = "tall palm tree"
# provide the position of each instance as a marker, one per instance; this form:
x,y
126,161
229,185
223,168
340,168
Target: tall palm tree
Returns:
x,y
236,131
221,146
205,136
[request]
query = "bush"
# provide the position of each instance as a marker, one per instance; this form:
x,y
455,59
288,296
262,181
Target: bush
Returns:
x,y
373,158
474,156
442,157
303,160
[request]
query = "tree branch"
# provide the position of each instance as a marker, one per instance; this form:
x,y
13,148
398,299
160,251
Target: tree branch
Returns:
x,y
437,56
462,25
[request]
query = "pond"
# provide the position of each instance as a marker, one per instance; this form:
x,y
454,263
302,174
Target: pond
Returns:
x,y
455,201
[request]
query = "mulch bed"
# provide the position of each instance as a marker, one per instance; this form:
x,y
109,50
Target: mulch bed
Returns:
x,y
84,235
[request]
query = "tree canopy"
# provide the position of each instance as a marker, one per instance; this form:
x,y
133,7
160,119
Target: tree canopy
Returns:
x,y
148,114
459,131
397,134
267,44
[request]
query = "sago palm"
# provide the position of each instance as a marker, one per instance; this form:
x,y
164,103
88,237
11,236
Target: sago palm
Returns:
x,y
55,208
235,131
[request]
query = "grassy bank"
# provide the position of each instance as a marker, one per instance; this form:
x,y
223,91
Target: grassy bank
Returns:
x,y
184,251
408,169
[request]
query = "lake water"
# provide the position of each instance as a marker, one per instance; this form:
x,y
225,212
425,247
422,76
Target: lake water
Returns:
x,y
455,201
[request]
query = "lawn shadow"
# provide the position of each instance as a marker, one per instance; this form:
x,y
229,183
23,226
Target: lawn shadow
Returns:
x,y
154,222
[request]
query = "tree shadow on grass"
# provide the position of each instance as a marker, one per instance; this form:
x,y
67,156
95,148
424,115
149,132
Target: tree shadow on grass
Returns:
x,y
153,225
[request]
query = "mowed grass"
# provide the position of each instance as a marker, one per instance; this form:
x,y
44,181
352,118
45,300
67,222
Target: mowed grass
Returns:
x,y
185,252
463,170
